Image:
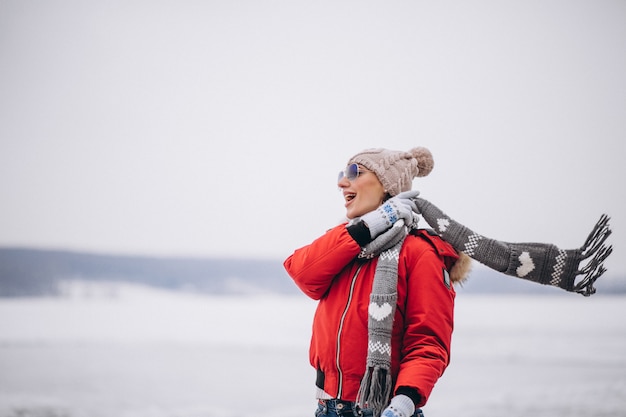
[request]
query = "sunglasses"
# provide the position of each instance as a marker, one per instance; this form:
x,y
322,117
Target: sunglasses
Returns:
x,y
351,172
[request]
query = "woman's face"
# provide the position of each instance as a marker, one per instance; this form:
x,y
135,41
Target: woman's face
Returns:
x,y
361,194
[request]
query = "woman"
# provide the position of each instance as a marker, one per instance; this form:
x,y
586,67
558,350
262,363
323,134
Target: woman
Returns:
x,y
383,325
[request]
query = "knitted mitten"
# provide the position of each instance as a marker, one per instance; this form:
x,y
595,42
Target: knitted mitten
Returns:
x,y
400,406
399,207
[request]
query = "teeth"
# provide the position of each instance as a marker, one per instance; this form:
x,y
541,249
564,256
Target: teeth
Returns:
x,y
349,197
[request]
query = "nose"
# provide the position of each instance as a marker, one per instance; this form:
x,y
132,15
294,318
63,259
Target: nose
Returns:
x,y
343,182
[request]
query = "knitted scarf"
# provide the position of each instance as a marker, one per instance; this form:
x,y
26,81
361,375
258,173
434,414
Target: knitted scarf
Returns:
x,y
377,383
538,262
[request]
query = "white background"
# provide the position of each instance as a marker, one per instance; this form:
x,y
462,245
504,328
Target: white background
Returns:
x,y
216,128
110,350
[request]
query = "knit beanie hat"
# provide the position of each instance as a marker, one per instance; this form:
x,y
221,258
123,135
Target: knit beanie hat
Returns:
x,y
396,169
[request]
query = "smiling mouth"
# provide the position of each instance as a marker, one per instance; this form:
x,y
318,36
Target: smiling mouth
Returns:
x,y
349,197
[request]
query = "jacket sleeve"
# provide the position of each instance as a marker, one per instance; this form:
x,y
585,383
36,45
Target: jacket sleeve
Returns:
x,y
314,266
428,322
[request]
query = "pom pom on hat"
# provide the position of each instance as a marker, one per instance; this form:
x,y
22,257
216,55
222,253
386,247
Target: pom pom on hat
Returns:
x,y
425,160
396,169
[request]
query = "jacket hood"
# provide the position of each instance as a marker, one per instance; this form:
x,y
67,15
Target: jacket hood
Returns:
x,y
461,269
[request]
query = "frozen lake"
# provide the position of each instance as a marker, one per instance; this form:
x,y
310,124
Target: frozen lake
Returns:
x,y
110,351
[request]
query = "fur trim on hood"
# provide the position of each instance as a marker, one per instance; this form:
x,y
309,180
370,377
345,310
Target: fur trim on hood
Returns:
x,y
460,271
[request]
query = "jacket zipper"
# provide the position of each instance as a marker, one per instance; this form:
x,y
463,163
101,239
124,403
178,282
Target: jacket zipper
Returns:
x,y
343,317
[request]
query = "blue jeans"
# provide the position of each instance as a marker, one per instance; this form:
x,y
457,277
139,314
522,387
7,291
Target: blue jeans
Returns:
x,y
338,408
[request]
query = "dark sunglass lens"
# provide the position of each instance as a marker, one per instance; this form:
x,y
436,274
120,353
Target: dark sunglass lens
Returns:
x,y
352,171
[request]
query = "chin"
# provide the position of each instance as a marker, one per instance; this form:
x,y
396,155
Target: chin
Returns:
x,y
353,214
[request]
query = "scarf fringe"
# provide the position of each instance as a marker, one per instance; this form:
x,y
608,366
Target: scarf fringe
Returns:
x,y
375,390
594,247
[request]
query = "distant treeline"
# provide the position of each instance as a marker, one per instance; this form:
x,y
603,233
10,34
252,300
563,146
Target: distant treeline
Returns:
x,y
33,272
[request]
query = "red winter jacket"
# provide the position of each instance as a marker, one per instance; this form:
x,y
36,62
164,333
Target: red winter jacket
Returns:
x,y
327,270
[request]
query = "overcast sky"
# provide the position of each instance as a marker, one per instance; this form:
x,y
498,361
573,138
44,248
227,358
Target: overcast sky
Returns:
x,y
217,128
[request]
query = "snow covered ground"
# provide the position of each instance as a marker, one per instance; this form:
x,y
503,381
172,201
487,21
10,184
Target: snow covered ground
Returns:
x,y
126,351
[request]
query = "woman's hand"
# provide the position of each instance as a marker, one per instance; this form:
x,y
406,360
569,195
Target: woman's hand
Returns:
x,y
399,207
400,406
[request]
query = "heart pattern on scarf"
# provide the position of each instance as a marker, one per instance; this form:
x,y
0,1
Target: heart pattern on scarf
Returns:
x,y
527,265
381,312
